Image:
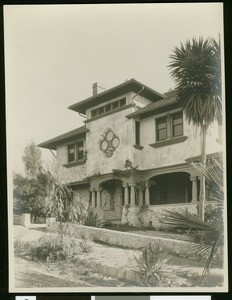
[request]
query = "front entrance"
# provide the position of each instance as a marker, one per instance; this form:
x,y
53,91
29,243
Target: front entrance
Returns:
x,y
112,198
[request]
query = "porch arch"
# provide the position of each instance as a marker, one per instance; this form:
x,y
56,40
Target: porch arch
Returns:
x,y
171,188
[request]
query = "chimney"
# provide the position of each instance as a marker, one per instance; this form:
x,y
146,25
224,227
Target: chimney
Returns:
x,y
94,87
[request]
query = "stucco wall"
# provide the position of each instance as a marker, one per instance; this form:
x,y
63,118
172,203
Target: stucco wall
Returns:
x,y
123,128
81,194
212,141
150,157
70,174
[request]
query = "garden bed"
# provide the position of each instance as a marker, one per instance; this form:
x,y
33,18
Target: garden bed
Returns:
x,y
107,261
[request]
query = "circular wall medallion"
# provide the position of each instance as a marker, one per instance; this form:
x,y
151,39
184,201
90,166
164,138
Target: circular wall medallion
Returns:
x,y
109,135
115,142
109,143
104,145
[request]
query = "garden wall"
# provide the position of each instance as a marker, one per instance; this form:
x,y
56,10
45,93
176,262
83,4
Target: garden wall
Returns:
x,y
134,241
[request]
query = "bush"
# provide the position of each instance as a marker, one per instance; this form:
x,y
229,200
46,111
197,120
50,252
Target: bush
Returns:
x,y
93,217
48,248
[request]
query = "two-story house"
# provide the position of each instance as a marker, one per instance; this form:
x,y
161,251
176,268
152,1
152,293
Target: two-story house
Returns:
x,y
131,157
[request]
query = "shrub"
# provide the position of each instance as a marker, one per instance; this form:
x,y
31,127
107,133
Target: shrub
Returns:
x,y
48,248
93,217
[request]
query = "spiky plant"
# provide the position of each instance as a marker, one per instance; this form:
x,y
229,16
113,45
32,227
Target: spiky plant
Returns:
x,y
211,231
150,265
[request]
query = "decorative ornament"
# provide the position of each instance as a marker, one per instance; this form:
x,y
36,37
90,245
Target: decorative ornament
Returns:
x,y
109,143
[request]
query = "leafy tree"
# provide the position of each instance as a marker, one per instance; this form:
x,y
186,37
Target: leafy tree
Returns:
x,y
196,70
32,192
33,164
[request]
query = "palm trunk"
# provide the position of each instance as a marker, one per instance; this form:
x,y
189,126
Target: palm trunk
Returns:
x,y
203,161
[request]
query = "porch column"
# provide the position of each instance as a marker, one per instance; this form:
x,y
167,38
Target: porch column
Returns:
x,y
147,194
132,194
93,197
140,197
126,194
99,197
194,188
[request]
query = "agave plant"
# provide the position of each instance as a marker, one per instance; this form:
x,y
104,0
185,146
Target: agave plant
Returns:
x,y
210,231
150,265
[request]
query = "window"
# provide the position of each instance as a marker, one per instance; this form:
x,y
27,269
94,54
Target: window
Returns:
x,y
177,124
71,153
115,105
169,127
137,132
80,150
75,151
122,102
107,108
101,110
94,113
161,129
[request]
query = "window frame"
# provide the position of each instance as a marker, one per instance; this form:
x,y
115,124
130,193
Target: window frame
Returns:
x,y
76,151
114,105
169,117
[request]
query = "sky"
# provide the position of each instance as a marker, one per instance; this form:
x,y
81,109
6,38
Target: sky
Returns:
x,y
54,53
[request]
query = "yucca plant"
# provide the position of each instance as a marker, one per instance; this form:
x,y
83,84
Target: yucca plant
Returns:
x,y
209,232
150,265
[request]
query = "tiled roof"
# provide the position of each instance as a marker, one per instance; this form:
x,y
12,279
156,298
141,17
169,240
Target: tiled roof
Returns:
x,y
52,143
168,100
118,90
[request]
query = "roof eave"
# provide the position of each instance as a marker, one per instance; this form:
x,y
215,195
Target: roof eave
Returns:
x,y
66,137
84,104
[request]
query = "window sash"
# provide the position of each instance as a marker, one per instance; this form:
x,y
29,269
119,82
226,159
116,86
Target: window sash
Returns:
x,y
108,107
75,151
169,127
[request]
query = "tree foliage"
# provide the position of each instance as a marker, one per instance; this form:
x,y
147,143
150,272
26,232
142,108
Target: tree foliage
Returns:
x,y
33,164
196,70
39,192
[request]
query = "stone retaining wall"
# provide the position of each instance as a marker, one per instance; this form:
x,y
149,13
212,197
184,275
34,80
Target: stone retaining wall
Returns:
x,y
134,241
151,215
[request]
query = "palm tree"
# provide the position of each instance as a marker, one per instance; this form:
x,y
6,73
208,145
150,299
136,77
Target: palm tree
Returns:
x,y
196,70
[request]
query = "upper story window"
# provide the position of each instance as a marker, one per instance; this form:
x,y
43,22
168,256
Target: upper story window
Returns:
x,y
75,151
137,132
108,107
169,127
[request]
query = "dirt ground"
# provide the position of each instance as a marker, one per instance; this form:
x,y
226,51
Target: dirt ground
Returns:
x,y
38,274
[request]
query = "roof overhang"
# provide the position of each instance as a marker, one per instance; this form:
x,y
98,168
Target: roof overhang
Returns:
x,y
131,85
64,138
158,107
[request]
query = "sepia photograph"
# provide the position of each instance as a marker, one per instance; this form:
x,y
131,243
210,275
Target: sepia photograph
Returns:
x,y
115,117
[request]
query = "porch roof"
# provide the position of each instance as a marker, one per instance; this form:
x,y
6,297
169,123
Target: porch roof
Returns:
x,y
118,90
63,138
